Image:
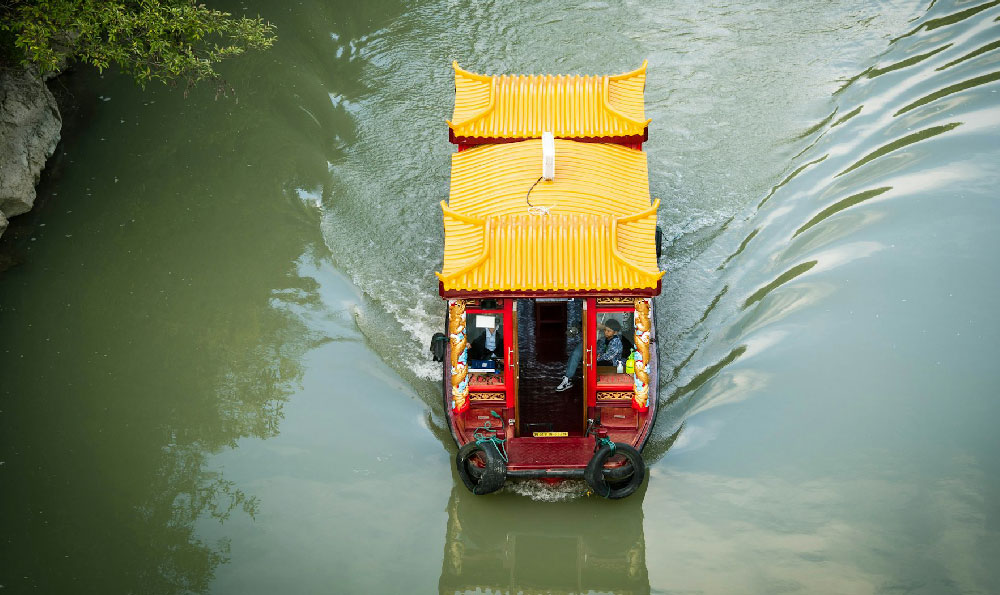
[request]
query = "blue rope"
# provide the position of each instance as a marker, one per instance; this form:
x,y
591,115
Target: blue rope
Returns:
x,y
482,438
607,442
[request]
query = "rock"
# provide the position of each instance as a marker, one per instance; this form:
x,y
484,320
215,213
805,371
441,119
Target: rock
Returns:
x,y
30,126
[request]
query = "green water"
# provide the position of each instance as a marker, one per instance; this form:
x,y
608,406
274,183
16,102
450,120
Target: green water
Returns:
x,y
213,366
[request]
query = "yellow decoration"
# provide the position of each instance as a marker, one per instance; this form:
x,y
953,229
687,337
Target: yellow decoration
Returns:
x,y
643,334
524,106
459,357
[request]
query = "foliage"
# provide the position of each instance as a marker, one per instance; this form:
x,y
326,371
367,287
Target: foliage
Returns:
x,y
152,40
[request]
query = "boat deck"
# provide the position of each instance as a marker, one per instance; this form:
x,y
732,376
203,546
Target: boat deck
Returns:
x,y
546,453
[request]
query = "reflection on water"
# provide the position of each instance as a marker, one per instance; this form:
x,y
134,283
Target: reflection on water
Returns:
x,y
156,321
111,453
515,545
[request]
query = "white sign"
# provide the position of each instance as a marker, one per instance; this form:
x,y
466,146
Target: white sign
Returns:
x,y
484,321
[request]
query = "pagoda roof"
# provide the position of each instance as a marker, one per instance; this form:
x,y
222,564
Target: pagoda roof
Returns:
x,y
589,230
517,107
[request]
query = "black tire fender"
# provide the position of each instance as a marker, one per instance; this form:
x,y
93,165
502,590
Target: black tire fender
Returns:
x,y
481,480
439,346
615,483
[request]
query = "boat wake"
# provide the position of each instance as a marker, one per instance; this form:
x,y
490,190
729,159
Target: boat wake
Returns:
x,y
770,195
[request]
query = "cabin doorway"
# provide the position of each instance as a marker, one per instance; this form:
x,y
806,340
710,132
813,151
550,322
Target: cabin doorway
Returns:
x,y
549,331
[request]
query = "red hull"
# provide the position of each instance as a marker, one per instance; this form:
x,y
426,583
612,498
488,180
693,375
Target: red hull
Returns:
x,y
556,457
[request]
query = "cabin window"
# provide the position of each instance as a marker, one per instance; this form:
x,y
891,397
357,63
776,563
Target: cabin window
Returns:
x,y
485,334
615,337
615,340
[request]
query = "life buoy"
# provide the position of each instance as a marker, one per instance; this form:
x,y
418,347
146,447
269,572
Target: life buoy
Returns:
x,y
481,480
616,482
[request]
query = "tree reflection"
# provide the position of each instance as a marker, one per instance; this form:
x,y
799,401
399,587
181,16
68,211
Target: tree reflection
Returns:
x,y
248,402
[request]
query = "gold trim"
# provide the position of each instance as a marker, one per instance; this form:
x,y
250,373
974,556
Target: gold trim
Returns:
x,y
615,301
487,396
609,395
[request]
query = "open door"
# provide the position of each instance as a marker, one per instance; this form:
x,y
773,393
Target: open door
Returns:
x,y
548,350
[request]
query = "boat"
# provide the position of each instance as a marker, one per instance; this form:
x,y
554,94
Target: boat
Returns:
x,y
551,250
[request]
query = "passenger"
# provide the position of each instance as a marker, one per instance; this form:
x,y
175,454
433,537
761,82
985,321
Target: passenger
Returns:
x,y
488,345
609,352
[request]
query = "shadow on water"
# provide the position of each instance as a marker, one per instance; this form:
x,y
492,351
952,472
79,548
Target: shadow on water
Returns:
x,y
510,544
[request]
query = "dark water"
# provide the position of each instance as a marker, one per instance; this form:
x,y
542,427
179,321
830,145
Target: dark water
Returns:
x,y
212,357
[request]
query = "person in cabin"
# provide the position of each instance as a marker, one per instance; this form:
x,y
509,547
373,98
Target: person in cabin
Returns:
x,y
488,345
609,352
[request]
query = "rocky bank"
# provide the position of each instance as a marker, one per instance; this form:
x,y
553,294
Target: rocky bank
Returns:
x,y
30,126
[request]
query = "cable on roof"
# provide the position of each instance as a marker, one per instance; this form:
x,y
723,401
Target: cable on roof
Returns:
x,y
533,209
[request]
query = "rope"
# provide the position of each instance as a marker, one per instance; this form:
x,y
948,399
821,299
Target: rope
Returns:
x,y
482,438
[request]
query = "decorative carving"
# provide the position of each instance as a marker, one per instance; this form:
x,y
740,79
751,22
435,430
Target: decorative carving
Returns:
x,y
614,301
643,334
614,395
459,356
487,396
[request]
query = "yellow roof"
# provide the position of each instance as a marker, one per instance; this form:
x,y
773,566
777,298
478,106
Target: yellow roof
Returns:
x,y
524,106
598,233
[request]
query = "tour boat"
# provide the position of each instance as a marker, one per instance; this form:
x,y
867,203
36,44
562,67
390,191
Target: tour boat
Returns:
x,y
550,259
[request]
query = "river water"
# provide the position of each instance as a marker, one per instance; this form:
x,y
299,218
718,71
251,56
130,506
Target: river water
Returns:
x,y
213,350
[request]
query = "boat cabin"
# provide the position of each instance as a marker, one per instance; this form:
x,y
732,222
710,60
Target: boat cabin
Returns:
x,y
550,266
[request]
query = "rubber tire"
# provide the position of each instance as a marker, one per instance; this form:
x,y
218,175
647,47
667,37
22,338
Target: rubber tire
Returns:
x,y
493,475
615,487
617,475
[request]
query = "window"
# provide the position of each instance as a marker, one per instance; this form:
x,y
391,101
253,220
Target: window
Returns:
x,y
615,337
485,334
